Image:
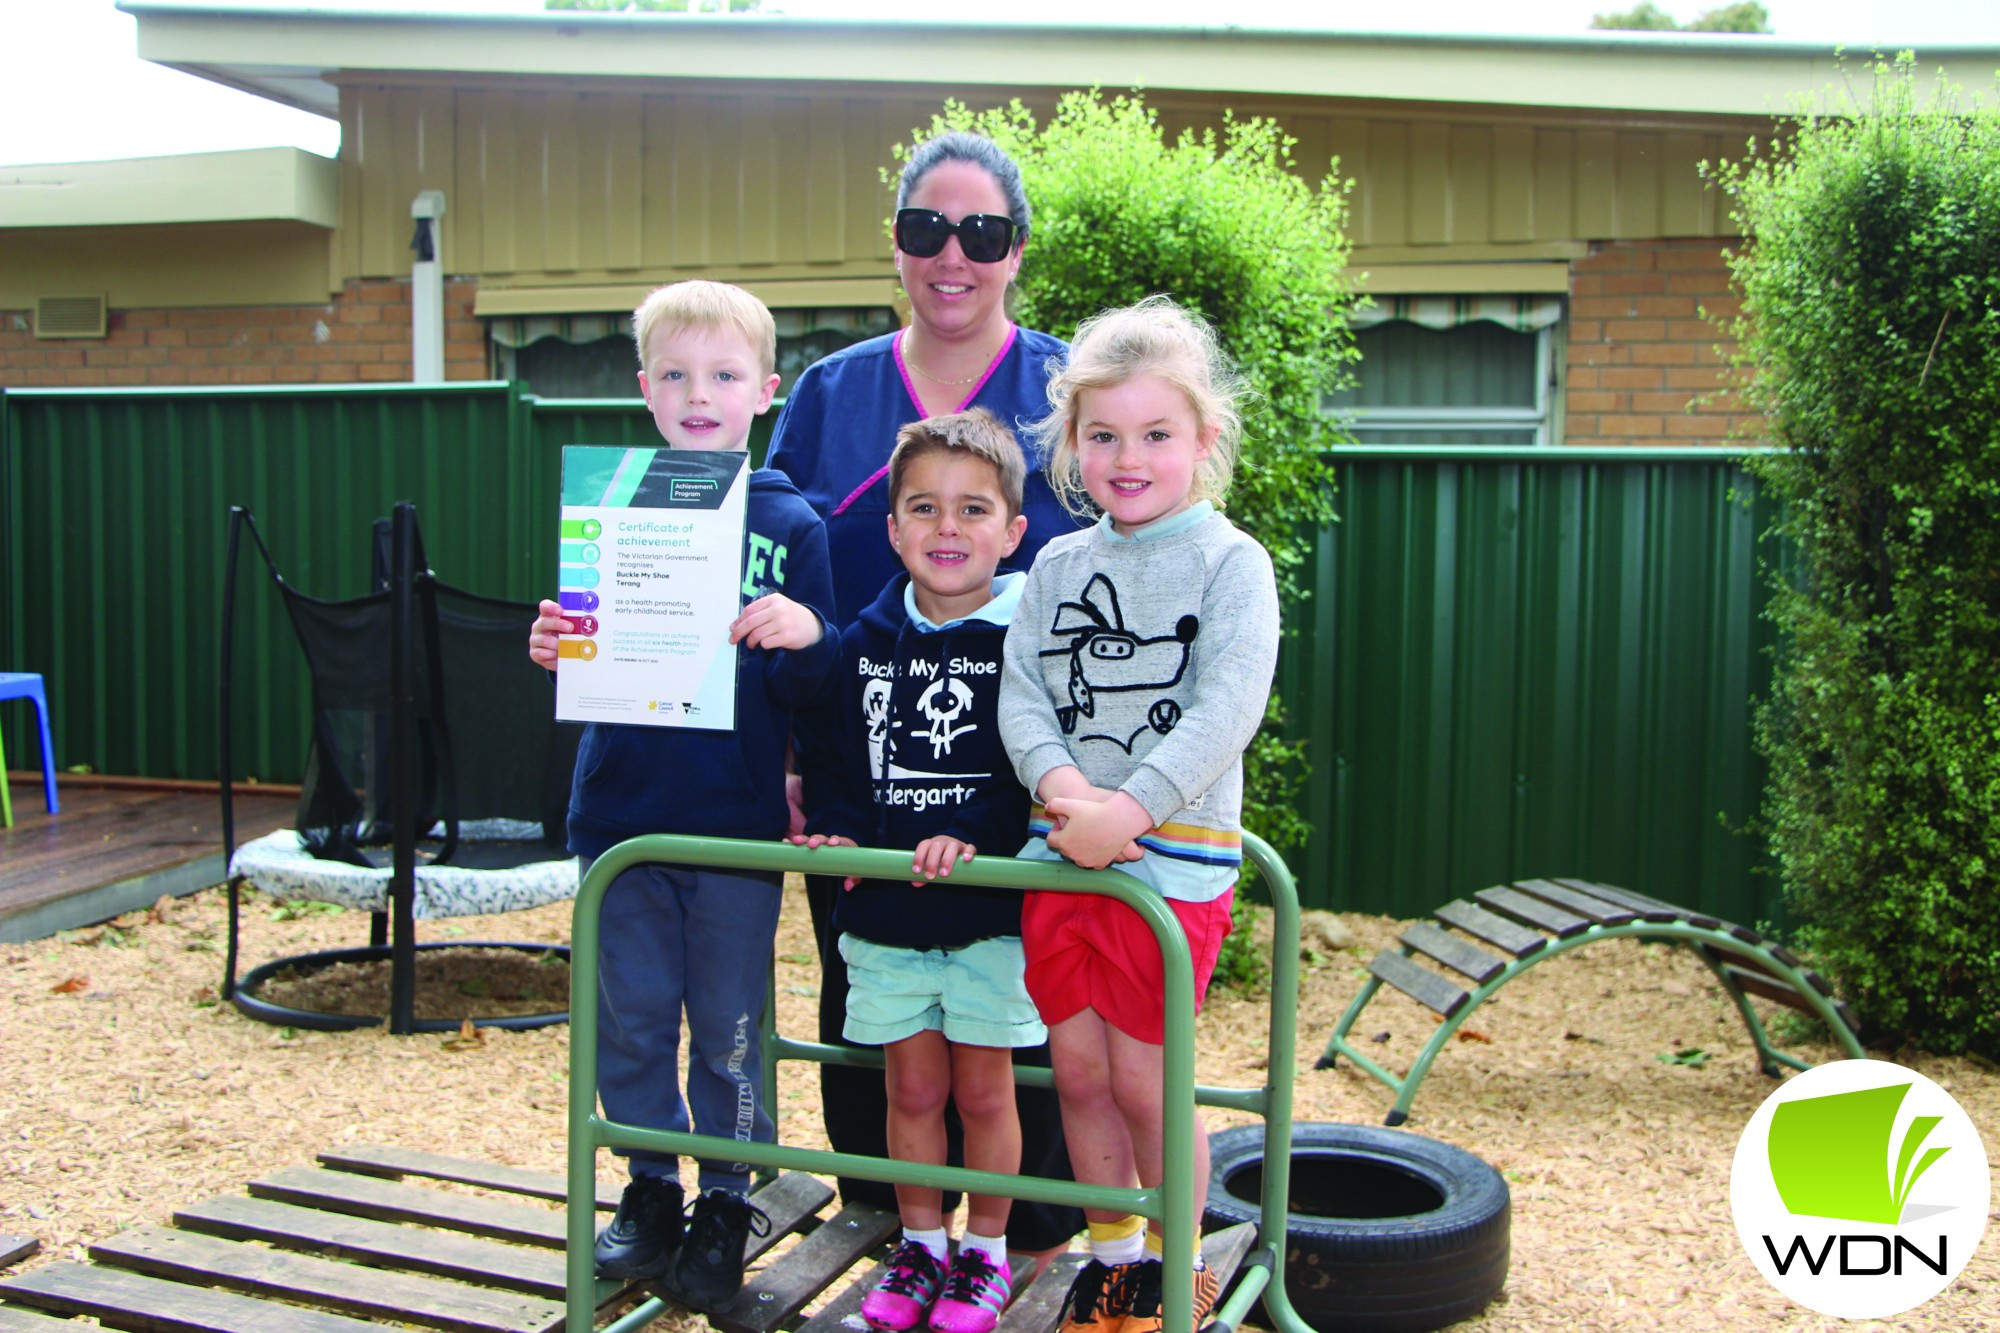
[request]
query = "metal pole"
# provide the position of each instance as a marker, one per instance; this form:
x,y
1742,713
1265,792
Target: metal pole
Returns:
x,y
427,290
225,744
580,1214
403,770
1281,1072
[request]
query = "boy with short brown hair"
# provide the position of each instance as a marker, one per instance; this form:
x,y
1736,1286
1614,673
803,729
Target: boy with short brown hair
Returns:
x,y
908,754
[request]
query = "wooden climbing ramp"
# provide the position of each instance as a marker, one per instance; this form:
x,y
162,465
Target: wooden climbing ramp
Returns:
x,y
384,1237
1533,920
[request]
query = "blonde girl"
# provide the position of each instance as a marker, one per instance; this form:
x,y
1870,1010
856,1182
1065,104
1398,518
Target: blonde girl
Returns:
x,y
1137,670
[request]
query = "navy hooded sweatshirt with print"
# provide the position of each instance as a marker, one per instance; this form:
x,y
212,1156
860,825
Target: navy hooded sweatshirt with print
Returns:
x,y
726,784
907,747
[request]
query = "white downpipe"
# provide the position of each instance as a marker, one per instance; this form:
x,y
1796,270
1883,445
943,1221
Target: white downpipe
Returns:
x,y
427,291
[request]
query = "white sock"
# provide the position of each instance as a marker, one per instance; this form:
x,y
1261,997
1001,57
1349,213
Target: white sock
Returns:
x,y
1124,1250
933,1240
993,1247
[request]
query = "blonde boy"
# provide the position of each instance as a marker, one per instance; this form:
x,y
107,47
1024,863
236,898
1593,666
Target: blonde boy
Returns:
x,y
681,938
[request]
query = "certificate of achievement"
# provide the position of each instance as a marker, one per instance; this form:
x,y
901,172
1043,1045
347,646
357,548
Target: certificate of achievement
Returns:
x,y
651,577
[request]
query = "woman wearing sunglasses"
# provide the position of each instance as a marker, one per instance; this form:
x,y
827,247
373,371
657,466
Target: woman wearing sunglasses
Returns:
x,y
961,224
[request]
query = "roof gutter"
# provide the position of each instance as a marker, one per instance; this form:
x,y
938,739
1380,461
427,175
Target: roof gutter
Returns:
x,y
288,55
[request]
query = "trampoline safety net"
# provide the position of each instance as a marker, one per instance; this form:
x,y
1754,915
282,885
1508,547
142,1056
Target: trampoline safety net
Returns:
x,y
488,749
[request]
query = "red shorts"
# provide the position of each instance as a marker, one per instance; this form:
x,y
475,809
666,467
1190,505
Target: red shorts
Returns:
x,y
1089,951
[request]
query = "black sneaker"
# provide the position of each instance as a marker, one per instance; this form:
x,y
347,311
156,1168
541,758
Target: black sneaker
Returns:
x,y
1146,1299
1099,1298
709,1271
640,1240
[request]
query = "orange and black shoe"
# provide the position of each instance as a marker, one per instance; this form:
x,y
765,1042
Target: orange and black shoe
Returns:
x,y
1146,1315
1100,1299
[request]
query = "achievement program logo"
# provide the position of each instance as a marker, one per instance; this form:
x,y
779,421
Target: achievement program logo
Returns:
x,y
1860,1189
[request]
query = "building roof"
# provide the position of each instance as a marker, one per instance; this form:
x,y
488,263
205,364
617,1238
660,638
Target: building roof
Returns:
x,y
247,185
292,56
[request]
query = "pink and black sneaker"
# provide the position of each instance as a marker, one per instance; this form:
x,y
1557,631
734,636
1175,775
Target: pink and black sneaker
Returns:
x,y
975,1292
904,1295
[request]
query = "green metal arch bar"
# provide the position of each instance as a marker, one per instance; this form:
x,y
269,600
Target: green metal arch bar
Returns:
x,y
1680,932
1172,1204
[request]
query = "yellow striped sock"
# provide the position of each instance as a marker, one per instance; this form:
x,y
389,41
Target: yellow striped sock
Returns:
x,y
1129,1225
1114,1243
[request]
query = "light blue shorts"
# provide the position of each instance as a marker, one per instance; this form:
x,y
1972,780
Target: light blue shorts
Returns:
x,y
974,995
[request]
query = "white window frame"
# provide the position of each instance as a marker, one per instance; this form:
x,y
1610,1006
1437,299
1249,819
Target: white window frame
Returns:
x,y
1544,419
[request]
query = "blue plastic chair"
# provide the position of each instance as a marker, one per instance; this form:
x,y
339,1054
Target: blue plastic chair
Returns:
x,y
28,685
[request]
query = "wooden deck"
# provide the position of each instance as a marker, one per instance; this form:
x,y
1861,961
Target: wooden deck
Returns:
x,y
117,845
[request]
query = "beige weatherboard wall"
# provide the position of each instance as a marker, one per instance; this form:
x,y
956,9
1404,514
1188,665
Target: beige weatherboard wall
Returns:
x,y
564,192
553,189
603,152
588,157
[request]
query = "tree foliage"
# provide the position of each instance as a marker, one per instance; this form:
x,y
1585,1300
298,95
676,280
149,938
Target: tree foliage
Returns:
x,y
1870,331
1742,16
1219,221
1643,17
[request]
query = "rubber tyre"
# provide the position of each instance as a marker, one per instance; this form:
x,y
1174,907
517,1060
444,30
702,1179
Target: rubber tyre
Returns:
x,y
1386,1232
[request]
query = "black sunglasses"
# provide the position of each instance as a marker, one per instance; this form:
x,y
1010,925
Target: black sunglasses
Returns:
x,y
984,237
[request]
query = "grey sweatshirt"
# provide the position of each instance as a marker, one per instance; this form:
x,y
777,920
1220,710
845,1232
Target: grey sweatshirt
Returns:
x,y
1146,662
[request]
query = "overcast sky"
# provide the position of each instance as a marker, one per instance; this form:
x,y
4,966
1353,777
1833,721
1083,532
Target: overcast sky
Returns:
x,y
71,88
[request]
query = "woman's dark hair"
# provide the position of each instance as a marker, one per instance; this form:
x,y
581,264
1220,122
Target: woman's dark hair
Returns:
x,y
981,152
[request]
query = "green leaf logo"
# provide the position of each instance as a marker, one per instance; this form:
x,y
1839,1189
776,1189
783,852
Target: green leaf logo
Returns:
x,y
1829,1155
1833,1194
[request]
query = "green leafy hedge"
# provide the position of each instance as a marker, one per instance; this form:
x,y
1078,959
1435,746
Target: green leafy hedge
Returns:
x,y
1870,328
1220,222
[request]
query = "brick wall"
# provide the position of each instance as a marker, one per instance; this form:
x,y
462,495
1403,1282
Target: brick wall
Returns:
x,y
1644,365
363,335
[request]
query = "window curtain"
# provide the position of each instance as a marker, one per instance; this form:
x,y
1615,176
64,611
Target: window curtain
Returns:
x,y
1522,314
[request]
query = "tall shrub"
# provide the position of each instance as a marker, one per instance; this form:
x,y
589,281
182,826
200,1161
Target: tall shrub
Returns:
x,y
1220,222
1870,331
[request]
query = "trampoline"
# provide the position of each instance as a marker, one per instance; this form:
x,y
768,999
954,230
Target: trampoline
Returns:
x,y
436,784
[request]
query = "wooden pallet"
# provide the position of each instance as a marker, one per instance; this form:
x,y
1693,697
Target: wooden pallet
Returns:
x,y
370,1237
375,1237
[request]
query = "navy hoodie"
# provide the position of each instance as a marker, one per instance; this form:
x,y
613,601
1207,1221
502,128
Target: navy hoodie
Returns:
x,y
907,747
726,784
840,422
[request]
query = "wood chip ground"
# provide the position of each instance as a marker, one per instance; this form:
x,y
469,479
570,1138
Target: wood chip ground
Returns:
x,y
129,1092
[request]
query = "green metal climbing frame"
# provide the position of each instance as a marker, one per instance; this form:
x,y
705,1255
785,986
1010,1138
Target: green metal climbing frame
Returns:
x,y
1173,1203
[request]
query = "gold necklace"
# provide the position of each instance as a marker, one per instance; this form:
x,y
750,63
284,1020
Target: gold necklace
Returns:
x,y
937,379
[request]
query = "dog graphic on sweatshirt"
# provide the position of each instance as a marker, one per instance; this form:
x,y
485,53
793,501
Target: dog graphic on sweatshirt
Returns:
x,y
1106,657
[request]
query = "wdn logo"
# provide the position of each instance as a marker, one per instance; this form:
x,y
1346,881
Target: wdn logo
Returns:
x,y
1835,1198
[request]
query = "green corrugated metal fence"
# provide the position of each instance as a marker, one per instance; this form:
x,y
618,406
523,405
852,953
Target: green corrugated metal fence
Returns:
x,y
1525,662
1518,661
115,526
114,519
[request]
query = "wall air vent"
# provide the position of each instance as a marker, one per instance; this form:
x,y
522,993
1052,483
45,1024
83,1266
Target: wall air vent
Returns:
x,y
69,317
